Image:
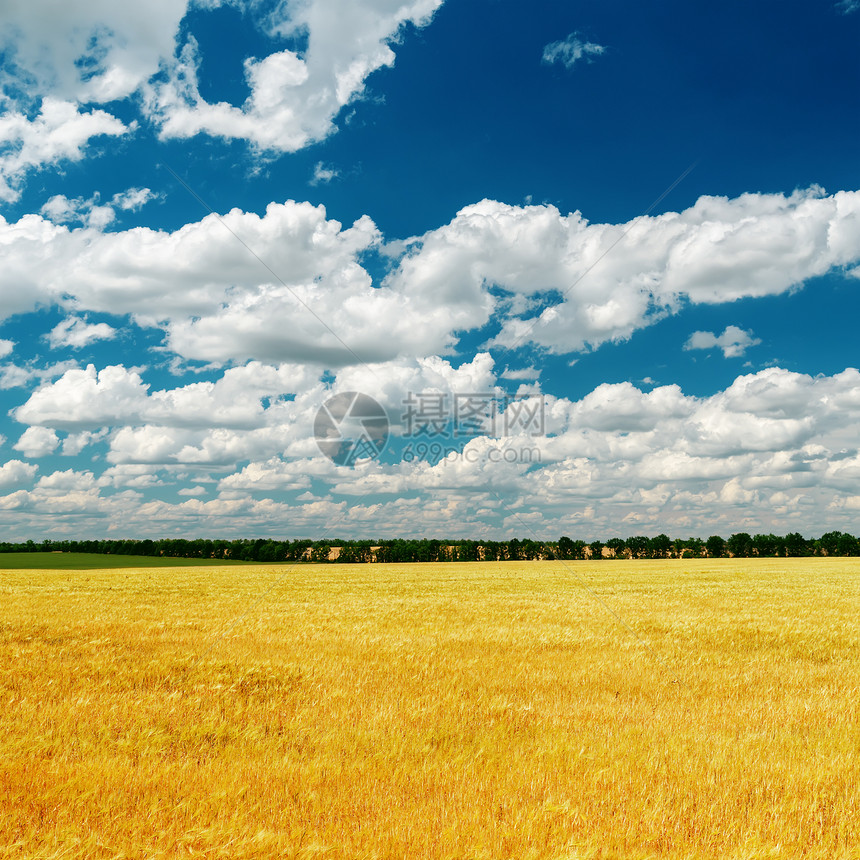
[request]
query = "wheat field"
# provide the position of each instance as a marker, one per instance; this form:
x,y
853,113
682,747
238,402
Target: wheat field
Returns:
x,y
678,709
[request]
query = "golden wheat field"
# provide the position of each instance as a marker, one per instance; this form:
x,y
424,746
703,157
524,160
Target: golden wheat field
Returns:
x,y
678,709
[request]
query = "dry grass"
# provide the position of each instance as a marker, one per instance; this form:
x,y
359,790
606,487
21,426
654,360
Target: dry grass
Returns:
x,y
470,711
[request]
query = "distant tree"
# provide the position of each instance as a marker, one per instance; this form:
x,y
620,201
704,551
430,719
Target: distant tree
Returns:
x,y
639,546
565,548
493,550
530,549
715,546
740,545
795,545
696,546
766,546
848,545
320,552
270,551
348,554
660,546
617,546
596,548
829,543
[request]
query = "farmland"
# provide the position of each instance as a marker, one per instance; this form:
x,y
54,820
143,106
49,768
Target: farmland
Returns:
x,y
679,709
91,561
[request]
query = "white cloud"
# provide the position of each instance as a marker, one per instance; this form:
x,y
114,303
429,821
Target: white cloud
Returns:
x,y
273,475
530,374
764,448
60,132
776,451
323,174
130,476
100,52
623,407
76,442
570,50
90,212
250,412
220,422
617,278
133,199
734,341
16,473
848,6
298,294
192,491
67,481
6,347
392,383
77,333
60,209
769,441
100,217
294,99
86,399
301,294
37,442
13,376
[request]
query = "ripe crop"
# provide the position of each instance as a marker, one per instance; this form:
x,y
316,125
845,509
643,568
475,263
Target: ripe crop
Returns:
x,y
674,709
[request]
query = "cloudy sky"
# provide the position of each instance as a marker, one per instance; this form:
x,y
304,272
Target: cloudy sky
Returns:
x,y
597,261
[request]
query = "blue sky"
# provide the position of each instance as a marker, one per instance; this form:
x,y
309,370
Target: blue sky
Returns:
x,y
640,222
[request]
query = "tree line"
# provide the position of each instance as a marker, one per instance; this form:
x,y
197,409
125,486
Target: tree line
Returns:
x,y
740,545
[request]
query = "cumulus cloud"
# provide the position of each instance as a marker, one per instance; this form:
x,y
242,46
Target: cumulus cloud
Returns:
x,y
77,333
74,443
16,473
133,199
59,132
301,294
763,451
101,52
192,491
734,341
87,398
613,279
90,212
6,347
15,376
37,442
392,384
775,451
58,58
759,453
250,412
530,374
570,50
131,476
60,209
323,174
294,97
